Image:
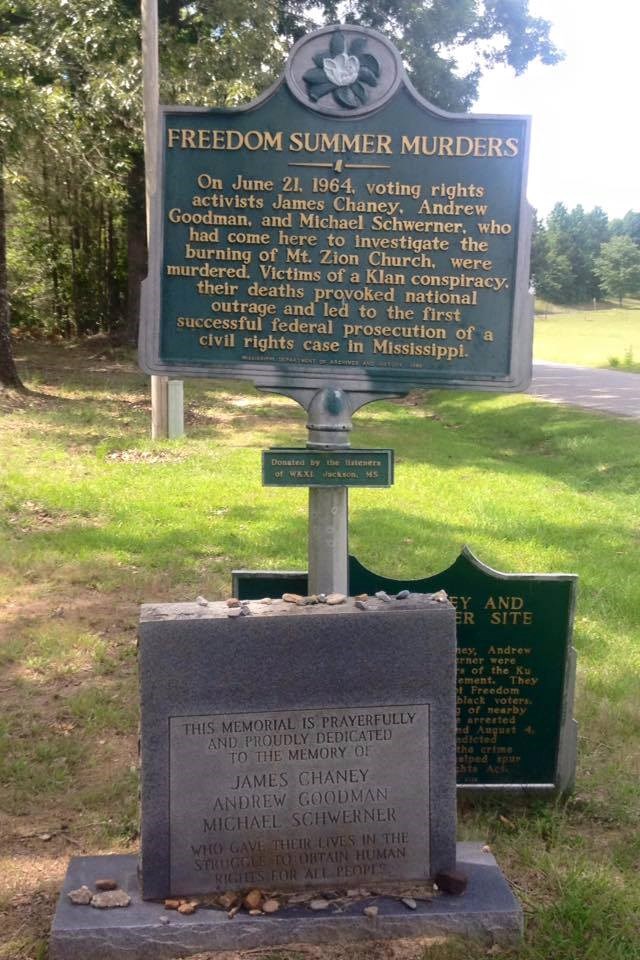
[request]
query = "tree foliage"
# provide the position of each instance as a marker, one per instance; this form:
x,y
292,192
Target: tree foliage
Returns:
x,y
628,226
75,67
618,268
432,36
566,250
9,376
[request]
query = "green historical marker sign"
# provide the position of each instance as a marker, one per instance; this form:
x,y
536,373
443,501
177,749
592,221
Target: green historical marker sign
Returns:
x,y
300,467
516,666
341,231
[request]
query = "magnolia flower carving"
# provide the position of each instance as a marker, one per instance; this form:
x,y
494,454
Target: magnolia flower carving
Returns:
x,y
343,72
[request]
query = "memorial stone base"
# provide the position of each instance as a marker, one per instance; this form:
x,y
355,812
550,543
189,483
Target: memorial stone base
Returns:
x,y
487,912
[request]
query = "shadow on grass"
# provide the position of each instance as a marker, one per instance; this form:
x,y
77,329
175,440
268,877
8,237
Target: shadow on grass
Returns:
x,y
209,410
579,448
529,437
236,535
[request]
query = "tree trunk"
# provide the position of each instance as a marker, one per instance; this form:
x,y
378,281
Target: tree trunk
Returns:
x,y
54,258
8,373
75,318
136,245
112,290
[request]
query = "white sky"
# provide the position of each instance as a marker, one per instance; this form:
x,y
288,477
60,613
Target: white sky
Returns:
x,y
586,110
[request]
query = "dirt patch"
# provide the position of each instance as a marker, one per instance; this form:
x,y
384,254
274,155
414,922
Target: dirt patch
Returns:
x,y
144,456
401,949
25,922
70,705
33,517
12,400
32,604
193,415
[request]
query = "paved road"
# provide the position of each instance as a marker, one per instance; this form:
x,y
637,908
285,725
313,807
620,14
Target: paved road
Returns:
x,y
608,390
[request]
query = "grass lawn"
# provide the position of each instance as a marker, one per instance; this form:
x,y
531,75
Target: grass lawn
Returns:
x,y
96,518
606,337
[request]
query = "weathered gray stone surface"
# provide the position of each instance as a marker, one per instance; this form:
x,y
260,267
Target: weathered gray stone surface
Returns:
x,y
488,911
212,687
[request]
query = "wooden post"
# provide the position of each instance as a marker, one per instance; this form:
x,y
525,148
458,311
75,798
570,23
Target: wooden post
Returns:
x,y
159,408
175,409
167,405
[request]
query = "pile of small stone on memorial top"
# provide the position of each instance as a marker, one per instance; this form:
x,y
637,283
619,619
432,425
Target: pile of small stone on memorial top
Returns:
x,y
362,601
258,902
107,894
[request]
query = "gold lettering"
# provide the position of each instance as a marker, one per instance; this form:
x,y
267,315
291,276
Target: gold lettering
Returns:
x,y
367,143
428,146
252,140
188,138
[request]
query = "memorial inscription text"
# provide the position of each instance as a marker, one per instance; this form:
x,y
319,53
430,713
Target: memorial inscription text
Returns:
x,y
299,798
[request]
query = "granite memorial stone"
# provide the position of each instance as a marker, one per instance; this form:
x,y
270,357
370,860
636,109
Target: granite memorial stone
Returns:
x,y
296,746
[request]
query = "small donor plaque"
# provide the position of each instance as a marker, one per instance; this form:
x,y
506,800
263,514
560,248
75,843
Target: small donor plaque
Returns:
x,y
297,467
299,798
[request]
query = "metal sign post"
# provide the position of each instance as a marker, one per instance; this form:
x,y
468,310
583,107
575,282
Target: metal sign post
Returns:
x,y
329,423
